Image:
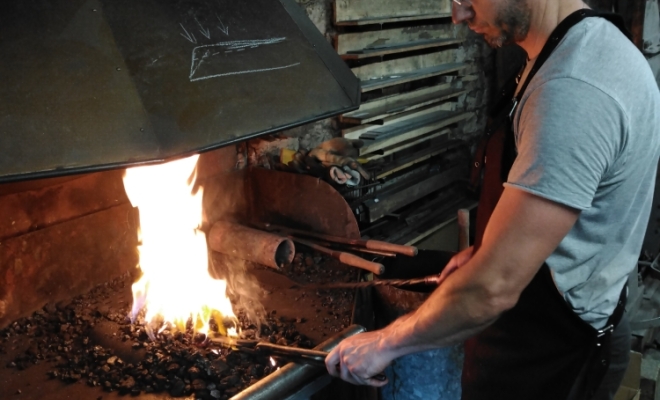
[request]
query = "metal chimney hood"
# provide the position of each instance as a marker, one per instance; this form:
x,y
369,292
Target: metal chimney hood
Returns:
x,y
100,84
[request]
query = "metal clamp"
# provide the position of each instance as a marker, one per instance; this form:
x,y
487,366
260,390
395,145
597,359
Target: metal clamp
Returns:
x,y
513,108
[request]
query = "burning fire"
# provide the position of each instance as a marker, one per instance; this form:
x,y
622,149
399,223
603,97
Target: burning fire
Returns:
x,y
175,283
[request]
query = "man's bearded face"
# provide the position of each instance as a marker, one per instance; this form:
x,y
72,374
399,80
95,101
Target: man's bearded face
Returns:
x,y
506,22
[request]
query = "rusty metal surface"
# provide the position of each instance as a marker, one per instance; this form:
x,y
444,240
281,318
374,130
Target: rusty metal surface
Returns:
x,y
299,201
65,260
250,244
53,201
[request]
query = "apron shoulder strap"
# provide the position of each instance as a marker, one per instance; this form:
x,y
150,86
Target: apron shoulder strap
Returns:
x,y
560,31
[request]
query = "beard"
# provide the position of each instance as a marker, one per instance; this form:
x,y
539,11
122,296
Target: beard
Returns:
x,y
512,21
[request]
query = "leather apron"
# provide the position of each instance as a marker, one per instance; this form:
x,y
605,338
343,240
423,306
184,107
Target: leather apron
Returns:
x,y
537,349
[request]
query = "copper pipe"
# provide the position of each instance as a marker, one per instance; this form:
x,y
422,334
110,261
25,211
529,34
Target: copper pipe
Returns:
x,y
251,244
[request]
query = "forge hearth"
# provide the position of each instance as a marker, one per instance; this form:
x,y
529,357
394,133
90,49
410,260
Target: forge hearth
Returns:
x,y
62,239
87,347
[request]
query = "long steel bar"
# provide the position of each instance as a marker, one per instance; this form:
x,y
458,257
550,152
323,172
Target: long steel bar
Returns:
x,y
287,379
370,244
346,258
427,280
314,356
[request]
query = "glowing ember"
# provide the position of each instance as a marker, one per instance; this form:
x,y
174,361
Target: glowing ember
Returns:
x,y
175,283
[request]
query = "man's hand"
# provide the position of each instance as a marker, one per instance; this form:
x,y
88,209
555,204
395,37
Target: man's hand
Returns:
x,y
358,358
457,261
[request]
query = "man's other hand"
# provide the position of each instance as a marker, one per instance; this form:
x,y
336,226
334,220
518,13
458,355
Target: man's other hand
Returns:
x,y
358,358
456,262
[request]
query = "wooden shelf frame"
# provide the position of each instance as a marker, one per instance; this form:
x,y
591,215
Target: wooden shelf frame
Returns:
x,y
416,128
372,43
366,12
388,106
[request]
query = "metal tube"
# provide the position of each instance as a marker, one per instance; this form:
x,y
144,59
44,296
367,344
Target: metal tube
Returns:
x,y
251,244
370,244
284,381
290,351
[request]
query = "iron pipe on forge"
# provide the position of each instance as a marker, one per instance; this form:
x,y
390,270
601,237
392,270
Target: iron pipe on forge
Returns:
x,y
251,244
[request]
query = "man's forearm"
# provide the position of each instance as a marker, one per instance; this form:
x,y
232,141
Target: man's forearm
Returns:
x,y
512,251
458,309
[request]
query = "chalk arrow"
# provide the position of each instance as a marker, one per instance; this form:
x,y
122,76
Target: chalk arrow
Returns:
x,y
188,35
222,27
204,31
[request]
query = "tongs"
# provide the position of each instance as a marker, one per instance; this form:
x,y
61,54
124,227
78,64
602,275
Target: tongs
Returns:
x,y
315,357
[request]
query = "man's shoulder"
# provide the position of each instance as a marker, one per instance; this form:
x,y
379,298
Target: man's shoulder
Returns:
x,y
594,51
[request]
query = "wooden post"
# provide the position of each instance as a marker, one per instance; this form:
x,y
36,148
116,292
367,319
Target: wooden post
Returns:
x,y
463,229
633,14
601,5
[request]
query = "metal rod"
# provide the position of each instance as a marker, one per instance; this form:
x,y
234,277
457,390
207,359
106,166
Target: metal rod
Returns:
x,y
316,356
368,251
288,378
250,244
225,341
348,247
370,244
346,258
291,351
427,280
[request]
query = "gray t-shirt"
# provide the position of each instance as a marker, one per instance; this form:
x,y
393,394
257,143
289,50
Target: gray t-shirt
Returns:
x,y
588,136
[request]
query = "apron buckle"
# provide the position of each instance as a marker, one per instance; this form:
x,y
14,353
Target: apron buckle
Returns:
x,y
513,107
604,331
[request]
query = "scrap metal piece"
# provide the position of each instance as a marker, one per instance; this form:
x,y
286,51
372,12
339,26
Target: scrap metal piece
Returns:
x,y
294,200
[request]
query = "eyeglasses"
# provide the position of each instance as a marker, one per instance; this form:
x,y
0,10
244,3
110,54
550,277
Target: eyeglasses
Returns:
x,y
465,3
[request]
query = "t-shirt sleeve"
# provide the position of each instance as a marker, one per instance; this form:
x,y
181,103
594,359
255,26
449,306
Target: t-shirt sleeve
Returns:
x,y
569,137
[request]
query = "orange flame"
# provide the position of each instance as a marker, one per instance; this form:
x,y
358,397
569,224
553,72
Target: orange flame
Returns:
x,y
175,283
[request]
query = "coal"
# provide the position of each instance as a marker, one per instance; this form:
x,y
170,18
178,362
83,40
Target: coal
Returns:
x,y
90,340
100,347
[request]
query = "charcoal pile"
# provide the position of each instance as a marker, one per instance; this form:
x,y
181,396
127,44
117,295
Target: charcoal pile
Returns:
x,y
180,363
332,309
90,340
